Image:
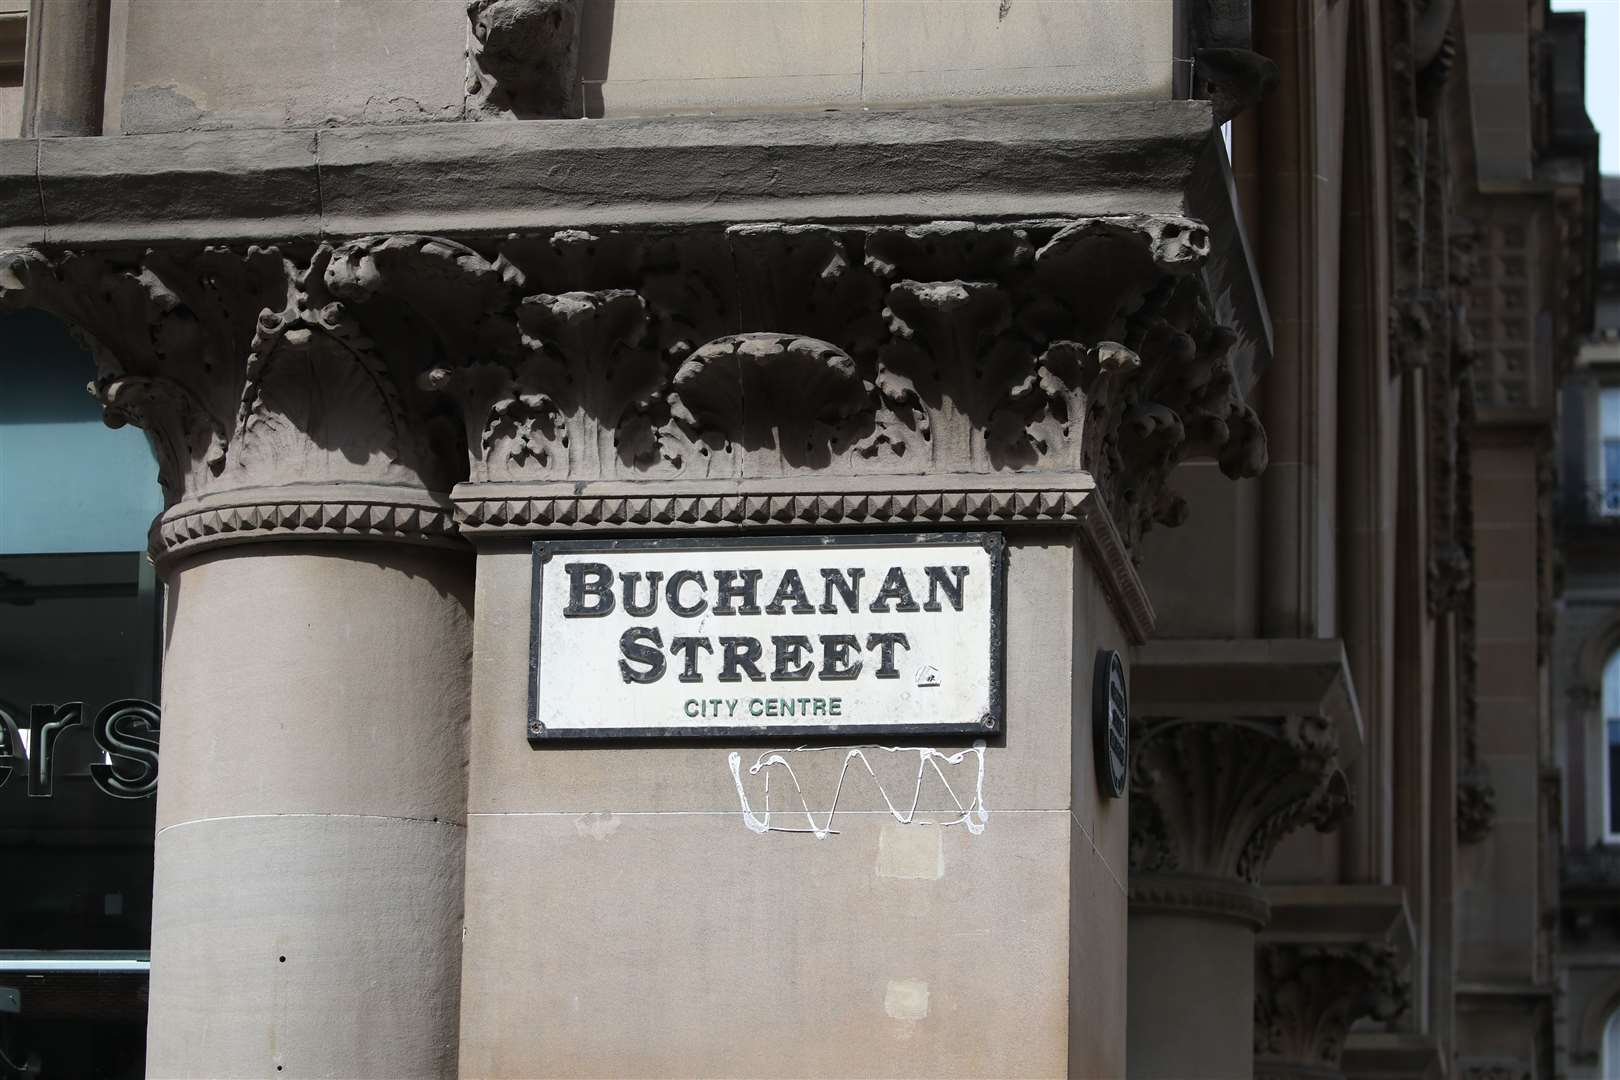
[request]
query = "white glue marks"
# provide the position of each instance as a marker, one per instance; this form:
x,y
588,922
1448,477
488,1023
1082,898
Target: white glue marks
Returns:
x,y
906,999
971,813
598,826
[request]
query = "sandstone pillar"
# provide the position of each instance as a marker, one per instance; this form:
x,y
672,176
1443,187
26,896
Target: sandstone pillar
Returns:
x,y
65,67
634,910
307,909
1236,744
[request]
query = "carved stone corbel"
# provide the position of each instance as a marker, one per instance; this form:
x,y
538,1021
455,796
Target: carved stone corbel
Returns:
x,y
1235,745
523,58
1307,996
1044,371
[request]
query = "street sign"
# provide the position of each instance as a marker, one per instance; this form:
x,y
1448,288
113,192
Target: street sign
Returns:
x,y
889,634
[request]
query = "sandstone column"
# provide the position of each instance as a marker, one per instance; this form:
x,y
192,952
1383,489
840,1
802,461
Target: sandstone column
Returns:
x,y
307,909
1037,379
1236,744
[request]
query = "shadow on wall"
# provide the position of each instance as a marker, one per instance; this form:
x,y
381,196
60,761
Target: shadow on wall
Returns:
x,y
595,46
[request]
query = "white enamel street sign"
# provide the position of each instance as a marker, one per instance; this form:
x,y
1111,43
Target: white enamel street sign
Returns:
x,y
888,634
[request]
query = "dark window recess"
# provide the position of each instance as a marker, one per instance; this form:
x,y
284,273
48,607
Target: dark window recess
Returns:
x,y
1614,777
79,641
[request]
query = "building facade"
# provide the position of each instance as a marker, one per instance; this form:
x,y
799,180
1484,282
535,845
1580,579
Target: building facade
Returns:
x,y
1237,325
1584,676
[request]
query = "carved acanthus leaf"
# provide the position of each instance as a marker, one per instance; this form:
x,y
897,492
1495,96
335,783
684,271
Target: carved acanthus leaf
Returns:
x,y
1215,798
1065,348
259,369
1307,996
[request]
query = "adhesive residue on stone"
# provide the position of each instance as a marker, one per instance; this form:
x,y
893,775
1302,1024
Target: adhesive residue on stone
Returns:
x,y
971,813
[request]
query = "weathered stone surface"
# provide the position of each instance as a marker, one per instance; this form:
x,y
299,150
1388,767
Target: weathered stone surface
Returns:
x,y
1083,352
393,62
1028,50
315,704
1025,160
218,186
650,851
22,212
366,912
523,59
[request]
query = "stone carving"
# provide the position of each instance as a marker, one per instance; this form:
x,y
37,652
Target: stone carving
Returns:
x,y
523,58
654,377
1307,996
1225,69
1450,571
1476,804
1215,798
1235,79
276,388
1476,797
1059,348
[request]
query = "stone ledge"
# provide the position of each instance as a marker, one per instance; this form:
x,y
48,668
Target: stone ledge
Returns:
x,y
1340,915
1194,678
489,178
1396,1055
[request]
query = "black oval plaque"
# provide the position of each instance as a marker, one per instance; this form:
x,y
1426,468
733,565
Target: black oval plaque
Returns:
x,y
1111,722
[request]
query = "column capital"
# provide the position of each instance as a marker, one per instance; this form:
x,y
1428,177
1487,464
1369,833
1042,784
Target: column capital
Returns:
x,y
1306,997
1332,955
277,386
1043,371
1235,745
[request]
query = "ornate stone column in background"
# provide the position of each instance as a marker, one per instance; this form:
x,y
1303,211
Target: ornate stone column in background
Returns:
x,y
1234,745
1306,996
307,911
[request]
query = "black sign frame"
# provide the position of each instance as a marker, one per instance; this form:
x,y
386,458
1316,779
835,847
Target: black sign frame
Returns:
x,y
1111,721
991,724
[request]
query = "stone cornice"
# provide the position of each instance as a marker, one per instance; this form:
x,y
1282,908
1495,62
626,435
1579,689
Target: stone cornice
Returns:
x,y
487,180
496,177
1192,678
1340,915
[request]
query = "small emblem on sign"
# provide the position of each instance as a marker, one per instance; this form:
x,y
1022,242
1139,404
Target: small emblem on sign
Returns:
x,y
928,675
1111,720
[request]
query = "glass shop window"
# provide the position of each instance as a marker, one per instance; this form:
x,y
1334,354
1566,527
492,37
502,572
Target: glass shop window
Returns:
x,y
1611,1048
1609,448
1611,750
80,638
